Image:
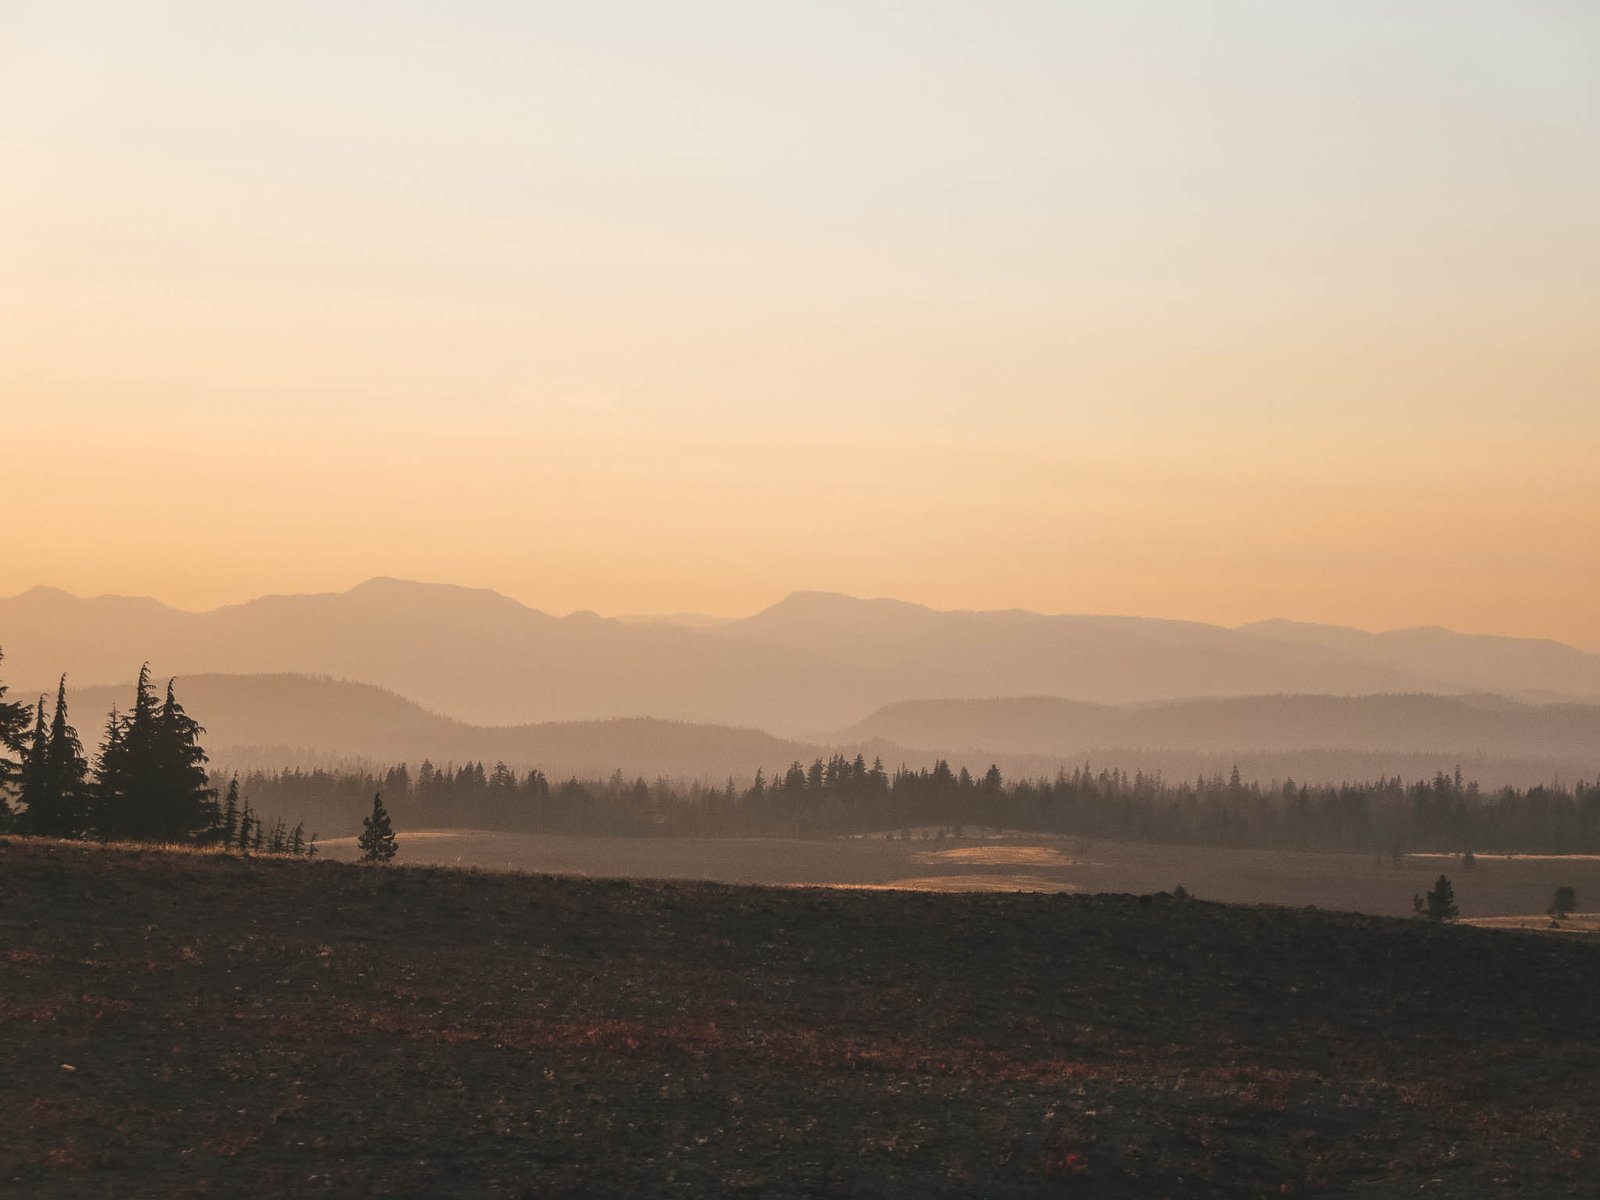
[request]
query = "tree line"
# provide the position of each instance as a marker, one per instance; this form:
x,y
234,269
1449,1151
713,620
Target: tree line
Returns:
x,y
149,781
849,795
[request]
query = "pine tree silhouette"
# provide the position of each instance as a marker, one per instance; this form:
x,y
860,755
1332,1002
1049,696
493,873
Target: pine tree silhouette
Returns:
x,y
109,775
377,834
31,778
189,802
129,788
1442,901
68,768
55,783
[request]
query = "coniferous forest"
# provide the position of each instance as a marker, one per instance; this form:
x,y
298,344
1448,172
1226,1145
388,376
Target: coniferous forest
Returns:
x,y
149,781
844,796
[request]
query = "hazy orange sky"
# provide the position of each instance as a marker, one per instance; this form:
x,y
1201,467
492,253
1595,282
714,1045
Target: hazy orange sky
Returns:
x,y
1218,311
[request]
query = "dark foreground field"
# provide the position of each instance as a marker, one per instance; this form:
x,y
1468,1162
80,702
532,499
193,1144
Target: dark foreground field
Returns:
x,y
176,1025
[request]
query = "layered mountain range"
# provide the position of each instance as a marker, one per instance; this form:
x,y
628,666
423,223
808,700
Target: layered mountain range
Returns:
x,y
367,673
814,661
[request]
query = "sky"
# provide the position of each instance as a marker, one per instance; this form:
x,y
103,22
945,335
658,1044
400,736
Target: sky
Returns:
x,y
1219,311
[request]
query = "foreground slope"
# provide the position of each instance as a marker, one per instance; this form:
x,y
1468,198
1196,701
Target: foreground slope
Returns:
x,y
178,1025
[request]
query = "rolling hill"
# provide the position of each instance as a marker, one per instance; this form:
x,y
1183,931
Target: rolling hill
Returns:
x,y
287,720
296,720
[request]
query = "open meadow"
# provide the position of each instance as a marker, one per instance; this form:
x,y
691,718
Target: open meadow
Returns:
x,y
1500,886
191,1024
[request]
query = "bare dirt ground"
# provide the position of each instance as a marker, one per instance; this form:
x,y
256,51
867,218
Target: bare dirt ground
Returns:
x,y
1496,885
187,1025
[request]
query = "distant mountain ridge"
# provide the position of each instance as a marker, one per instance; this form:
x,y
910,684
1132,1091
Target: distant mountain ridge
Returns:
x,y
289,720
1476,660
813,661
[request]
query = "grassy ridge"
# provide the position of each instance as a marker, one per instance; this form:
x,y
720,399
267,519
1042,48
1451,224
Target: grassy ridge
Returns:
x,y
283,1029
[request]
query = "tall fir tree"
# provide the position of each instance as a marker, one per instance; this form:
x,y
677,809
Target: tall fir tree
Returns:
x,y
130,792
377,834
32,779
189,802
13,741
69,769
58,792
109,772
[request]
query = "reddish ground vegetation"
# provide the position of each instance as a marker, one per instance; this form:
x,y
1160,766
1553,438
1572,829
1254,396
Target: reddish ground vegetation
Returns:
x,y
176,1025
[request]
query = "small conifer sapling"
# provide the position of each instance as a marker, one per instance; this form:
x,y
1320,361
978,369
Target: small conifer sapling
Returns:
x,y
1441,904
377,834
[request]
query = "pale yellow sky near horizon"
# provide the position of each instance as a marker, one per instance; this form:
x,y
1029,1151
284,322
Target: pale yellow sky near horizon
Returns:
x,y
1217,312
